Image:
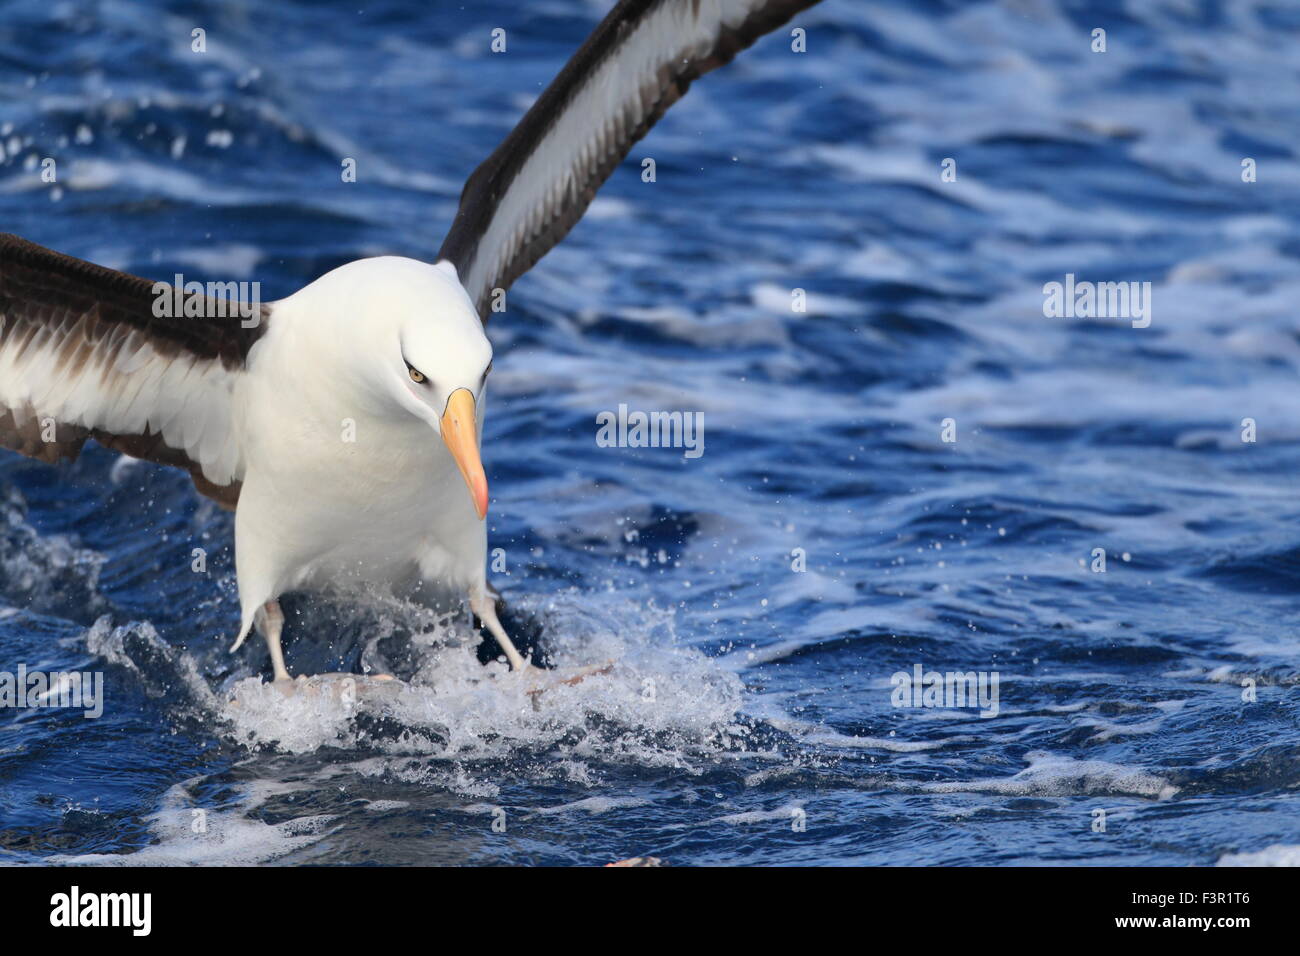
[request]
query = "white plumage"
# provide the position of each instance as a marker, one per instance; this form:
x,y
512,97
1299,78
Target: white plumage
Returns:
x,y
328,404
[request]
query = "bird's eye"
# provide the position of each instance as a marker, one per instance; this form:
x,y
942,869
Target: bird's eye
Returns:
x,y
417,376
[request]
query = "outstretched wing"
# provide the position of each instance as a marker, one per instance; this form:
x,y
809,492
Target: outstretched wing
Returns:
x,y
537,184
89,352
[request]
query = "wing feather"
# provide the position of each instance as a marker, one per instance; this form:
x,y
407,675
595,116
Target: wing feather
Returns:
x,y
84,355
535,187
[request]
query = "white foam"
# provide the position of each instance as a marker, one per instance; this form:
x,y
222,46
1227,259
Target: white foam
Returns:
x,y
1050,775
383,806
760,816
37,568
659,704
188,835
1278,854
594,805
179,670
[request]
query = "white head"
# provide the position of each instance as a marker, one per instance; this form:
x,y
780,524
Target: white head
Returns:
x,y
422,348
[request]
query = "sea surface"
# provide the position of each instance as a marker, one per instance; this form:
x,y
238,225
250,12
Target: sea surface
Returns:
x,y
756,601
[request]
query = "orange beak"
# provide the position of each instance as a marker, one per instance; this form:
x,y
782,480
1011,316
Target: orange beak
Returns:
x,y
460,432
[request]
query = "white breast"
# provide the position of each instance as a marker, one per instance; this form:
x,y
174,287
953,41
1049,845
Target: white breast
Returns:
x,y
334,494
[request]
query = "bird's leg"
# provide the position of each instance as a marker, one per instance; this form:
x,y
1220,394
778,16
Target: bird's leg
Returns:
x,y
270,621
482,604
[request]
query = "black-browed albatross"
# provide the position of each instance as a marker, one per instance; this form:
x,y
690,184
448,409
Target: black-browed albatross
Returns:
x,y
253,405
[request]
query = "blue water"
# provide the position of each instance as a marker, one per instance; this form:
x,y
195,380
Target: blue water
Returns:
x,y
749,716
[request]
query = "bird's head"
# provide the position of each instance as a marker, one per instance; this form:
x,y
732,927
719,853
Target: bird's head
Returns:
x,y
444,363
425,351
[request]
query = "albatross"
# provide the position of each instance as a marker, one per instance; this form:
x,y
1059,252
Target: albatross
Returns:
x,y
342,424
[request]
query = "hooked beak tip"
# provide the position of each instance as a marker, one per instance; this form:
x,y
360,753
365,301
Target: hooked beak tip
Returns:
x,y
460,432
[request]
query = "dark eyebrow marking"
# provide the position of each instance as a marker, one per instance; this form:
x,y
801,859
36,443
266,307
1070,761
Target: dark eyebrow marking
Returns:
x,y
412,368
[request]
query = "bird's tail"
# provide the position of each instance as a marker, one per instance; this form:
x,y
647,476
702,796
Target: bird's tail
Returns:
x,y
245,626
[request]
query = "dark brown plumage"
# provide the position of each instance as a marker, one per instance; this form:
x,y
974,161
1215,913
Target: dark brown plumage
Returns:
x,y
85,311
